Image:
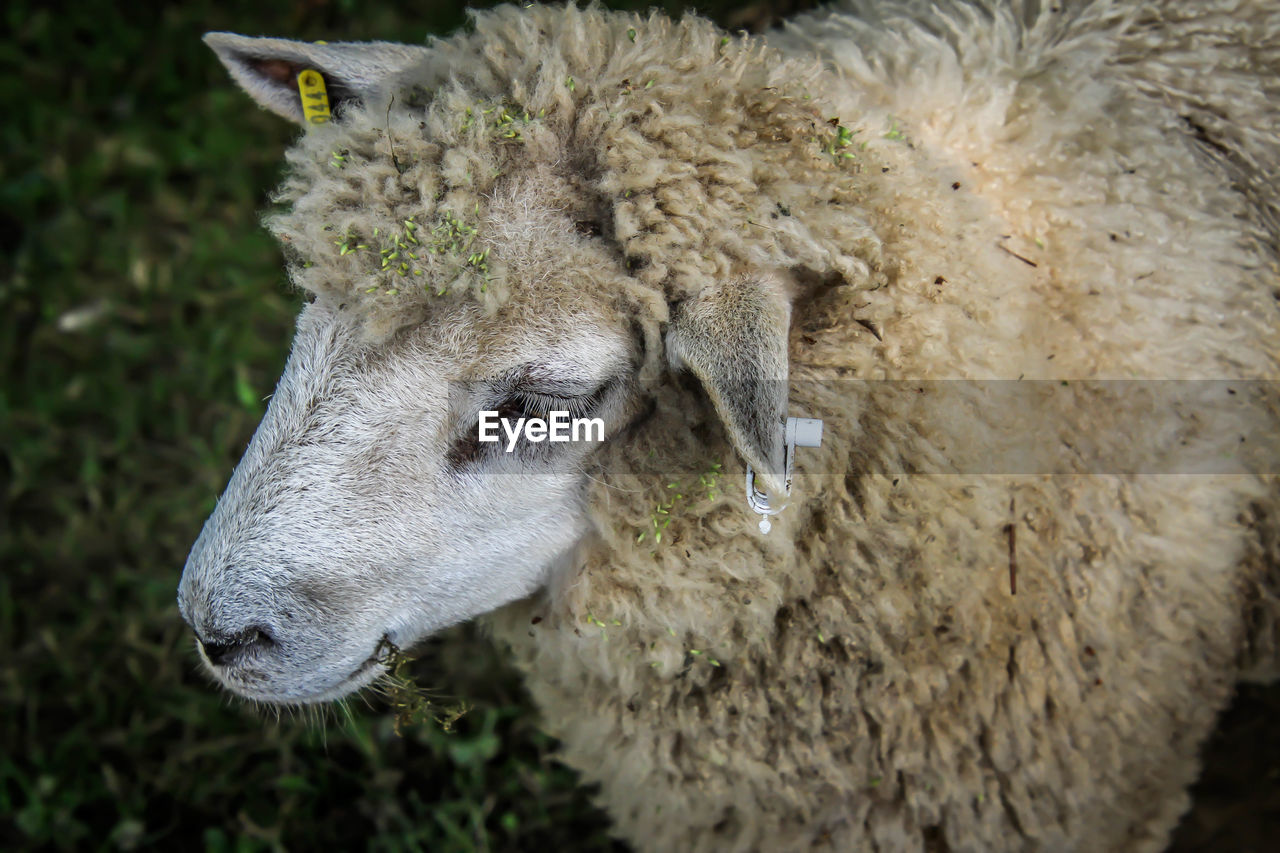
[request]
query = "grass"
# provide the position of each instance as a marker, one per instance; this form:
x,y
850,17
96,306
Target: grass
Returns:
x,y
143,317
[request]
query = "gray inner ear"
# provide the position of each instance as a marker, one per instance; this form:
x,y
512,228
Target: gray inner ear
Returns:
x,y
267,68
733,337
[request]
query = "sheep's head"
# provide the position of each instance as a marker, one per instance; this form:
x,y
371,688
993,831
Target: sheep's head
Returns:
x,y
533,241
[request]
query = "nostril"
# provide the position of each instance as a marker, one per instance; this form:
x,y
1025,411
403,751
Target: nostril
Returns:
x,y
223,651
217,652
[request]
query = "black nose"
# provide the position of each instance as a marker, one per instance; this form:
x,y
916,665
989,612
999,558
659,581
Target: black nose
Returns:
x,y
222,651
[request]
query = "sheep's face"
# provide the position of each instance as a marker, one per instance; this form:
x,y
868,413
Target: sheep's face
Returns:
x,y
367,509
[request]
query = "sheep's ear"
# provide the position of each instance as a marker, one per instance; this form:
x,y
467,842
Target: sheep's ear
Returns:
x,y
268,68
733,337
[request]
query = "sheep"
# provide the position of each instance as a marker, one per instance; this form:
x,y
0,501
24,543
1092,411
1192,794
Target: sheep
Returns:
x,y
992,614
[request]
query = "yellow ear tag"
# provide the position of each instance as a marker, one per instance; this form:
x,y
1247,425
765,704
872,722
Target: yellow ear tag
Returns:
x,y
315,100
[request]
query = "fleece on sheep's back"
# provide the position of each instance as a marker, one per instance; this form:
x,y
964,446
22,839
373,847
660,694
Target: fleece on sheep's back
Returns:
x,y
867,677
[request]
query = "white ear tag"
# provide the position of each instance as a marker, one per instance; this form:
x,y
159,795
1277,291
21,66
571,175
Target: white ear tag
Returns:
x,y
800,432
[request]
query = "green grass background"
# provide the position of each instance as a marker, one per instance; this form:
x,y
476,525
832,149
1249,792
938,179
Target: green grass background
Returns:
x,y
144,316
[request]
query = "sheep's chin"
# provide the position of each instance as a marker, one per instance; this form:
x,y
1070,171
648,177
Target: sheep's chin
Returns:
x,y
362,677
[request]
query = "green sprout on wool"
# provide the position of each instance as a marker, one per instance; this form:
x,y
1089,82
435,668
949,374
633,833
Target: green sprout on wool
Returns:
x,y
502,120
403,251
631,34
400,254
452,236
660,519
411,704
568,81
709,481
661,516
506,124
339,158
347,244
695,653
834,146
894,132
603,626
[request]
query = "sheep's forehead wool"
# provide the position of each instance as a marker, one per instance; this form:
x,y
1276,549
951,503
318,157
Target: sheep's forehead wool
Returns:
x,y
688,164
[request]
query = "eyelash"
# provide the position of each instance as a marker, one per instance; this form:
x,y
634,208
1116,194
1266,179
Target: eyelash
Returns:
x,y
521,403
533,403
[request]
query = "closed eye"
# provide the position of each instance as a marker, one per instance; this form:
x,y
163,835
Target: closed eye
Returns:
x,y
530,399
539,405
530,391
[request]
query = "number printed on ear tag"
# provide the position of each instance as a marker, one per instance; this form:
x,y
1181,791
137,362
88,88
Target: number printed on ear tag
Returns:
x,y
315,100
